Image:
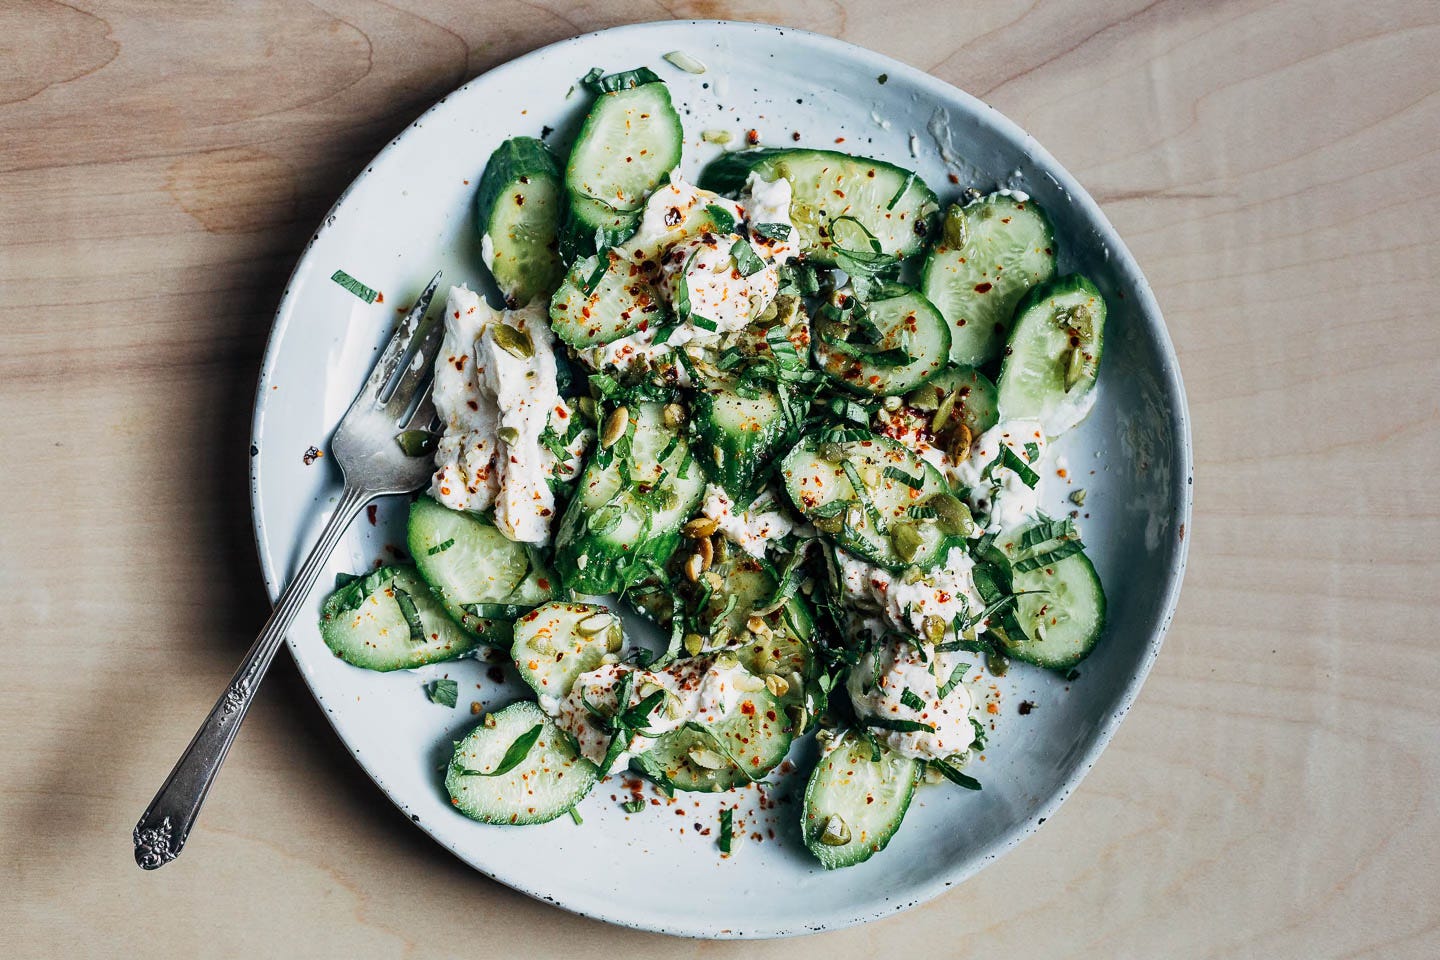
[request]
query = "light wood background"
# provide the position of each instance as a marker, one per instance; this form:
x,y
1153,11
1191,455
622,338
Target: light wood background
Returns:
x,y
1274,166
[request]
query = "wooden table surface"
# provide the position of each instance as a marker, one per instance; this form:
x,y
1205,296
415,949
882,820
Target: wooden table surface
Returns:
x,y
1275,167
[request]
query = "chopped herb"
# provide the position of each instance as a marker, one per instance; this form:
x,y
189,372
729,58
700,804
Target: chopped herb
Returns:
x,y
354,286
1009,458
444,692
633,805
727,829
883,79
406,603
912,700
575,815
1066,549
1077,497
862,494
553,442
955,776
513,757
596,275
956,676
1045,531
919,512
723,219
894,723
440,547
981,734
704,323
895,473
663,334
1032,451
774,232
746,259
343,579
904,188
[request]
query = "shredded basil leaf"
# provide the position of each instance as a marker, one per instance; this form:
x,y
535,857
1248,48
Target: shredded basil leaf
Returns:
x,y
895,473
774,232
911,699
598,81
513,757
746,259
408,610
440,547
954,775
355,286
444,692
633,805
895,723
723,219
727,829
598,274
1066,549
1009,458
956,676
704,323
904,187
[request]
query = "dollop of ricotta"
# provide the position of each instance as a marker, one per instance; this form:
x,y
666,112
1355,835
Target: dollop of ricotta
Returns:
x,y
877,687
996,492
703,273
749,529
905,600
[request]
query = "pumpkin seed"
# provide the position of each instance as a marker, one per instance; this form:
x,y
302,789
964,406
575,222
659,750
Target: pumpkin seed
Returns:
x,y
777,685
951,513
673,415
906,540
510,435
924,397
943,411
832,452
934,628
513,341
956,230
705,549
837,831
694,644
693,567
700,527
615,426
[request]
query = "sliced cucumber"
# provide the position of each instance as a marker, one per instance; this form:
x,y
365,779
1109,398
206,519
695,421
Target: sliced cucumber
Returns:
x,y
1061,609
628,143
891,202
913,346
616,528
388,620
875,523
743,747
557,642
591,226
600,301
1054,354
738,436
519,203
977,272
974,404
466,560
550,780
854,804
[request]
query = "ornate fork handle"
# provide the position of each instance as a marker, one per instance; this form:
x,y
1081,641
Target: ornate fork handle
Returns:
x,y
161,832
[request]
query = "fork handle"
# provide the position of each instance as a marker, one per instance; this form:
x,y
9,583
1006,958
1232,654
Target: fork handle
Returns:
x,y
162,830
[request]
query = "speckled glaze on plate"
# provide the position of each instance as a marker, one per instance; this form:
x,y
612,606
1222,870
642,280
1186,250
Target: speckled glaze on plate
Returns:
x,y
411,212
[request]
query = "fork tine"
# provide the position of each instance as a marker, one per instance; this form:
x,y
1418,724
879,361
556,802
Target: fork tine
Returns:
x,y
424,416
399,345
417,373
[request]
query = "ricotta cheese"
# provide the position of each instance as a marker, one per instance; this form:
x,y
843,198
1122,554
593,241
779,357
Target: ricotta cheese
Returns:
x,y
877,687
996,492
750,529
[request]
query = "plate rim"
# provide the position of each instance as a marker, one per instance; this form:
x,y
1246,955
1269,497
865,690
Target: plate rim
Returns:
x,y
1169,375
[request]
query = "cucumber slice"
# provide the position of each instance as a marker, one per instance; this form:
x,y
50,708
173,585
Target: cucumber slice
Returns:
x,y
613,530
602,301
756,735
910,327
365,623
822,491
974,404
1063,620
738,437
1008,247
550,780
1054,355
588,221
891,202
557,642
868,797
628,143
519,203
465,559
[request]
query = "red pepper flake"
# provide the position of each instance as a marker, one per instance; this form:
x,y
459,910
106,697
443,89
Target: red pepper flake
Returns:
x,y
752,137
839,139
795,136
312,455
370,512
982,287
1025,707
379,297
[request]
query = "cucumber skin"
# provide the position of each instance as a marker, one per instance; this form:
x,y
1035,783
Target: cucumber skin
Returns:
x,y
1043,653
602,572
583,216
1058,287
743,463
979,411
515,158
812,826
667,763
584,773
349,597
727,175
968,354
835,365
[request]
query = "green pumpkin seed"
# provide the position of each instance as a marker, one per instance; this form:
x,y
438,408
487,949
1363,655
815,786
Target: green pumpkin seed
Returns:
x,y
513,341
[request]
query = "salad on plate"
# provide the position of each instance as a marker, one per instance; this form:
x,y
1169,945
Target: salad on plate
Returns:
x,y
795,415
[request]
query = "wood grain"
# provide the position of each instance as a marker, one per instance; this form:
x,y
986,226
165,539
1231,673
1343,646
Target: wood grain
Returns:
x,y
1274,167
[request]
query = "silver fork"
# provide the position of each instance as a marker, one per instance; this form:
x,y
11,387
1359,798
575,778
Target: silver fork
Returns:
x,y
395,398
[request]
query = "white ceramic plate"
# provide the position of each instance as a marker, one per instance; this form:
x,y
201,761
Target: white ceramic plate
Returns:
x,y
411,213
